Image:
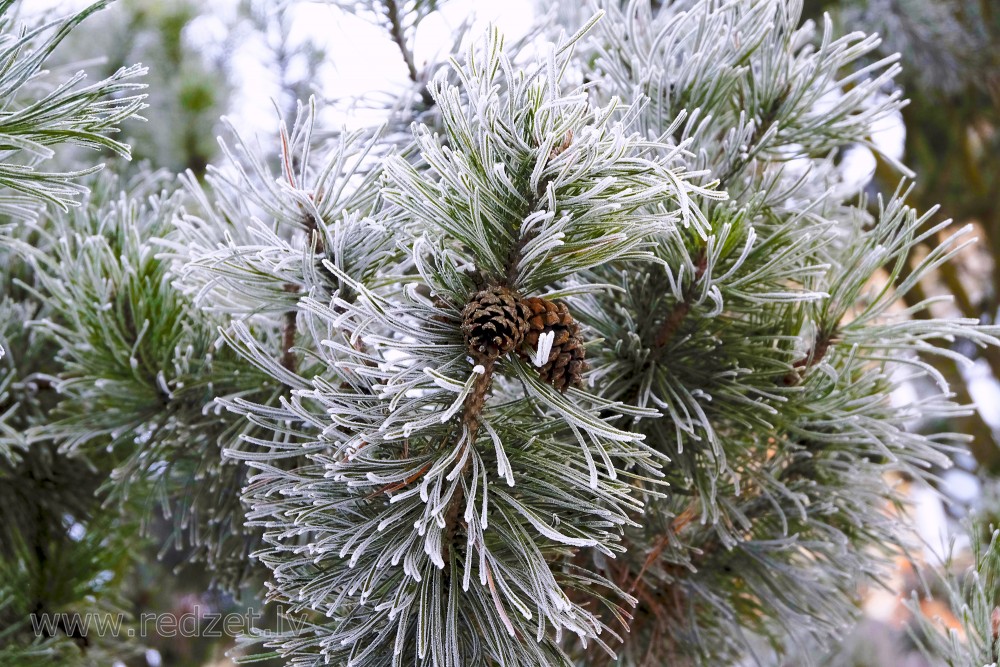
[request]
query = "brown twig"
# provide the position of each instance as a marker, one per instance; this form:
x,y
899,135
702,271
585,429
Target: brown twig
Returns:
x,y
820,347
396,32
392,14
289,360
472,412
672,322
677,525
399,485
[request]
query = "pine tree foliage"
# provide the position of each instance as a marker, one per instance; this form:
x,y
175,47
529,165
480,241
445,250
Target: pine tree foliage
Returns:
x,y
60,551
403,401
40,112
952,53
722,475
337,348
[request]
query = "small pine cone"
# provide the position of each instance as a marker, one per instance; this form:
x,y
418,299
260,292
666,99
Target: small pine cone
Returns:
x,y
494,322
565,365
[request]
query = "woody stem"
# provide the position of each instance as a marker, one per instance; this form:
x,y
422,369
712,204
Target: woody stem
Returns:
x,y
472,411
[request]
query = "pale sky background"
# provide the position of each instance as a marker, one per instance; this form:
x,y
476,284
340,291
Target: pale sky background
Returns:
x,y
360,56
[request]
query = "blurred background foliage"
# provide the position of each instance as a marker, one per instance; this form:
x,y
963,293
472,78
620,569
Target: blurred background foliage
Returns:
x,y
188,88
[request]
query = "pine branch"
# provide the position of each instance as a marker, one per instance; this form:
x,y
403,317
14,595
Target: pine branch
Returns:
x,y
771,499
396,31
395,19
970,593
476,401
67,112
288,357
472,411
675,318
819,349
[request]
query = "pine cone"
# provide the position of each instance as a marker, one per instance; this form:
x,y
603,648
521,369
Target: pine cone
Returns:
x,y
494,322
565,364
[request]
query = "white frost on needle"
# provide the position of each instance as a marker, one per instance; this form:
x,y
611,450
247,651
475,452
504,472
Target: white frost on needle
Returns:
x,y
541,356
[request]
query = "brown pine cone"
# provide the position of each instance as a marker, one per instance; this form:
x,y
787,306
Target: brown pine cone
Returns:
x,y
566,364
494,322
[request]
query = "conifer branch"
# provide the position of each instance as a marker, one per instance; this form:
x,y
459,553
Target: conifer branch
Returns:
x,y
819,349
675,318
412,523
476,400
288,357
472,411
393,15
395,18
